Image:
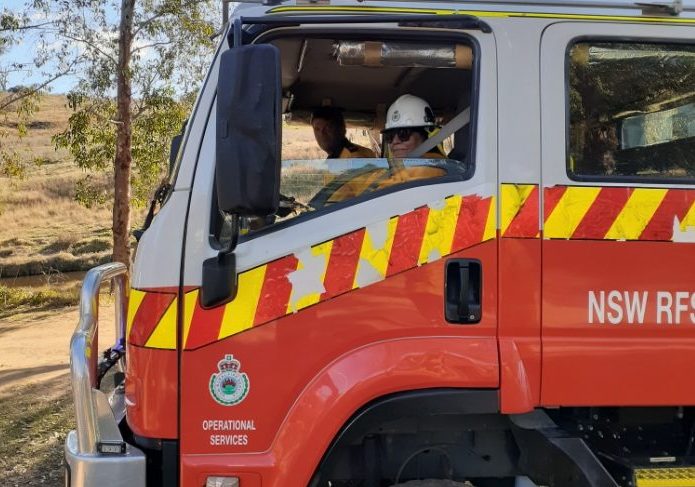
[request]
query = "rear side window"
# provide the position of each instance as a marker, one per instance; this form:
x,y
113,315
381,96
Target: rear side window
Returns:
x,y
631,111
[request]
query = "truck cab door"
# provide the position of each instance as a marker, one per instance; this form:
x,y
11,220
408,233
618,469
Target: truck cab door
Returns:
x,y
337,307
618,214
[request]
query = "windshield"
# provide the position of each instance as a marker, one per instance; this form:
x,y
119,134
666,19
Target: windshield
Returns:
x,y
309,185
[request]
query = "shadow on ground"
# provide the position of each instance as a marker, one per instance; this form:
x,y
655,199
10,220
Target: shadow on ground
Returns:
x,y
33,424
14,375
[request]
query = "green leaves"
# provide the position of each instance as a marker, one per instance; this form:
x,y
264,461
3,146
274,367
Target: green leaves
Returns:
x,y
16,110
91,140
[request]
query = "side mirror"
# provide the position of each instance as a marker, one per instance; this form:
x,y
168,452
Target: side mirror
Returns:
x,y
247,169
247,164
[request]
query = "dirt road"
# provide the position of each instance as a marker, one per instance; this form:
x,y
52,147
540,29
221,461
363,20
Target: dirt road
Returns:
x,y
34,347
35,396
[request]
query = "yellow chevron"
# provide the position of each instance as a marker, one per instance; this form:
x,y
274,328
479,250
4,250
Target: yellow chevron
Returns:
x,y
636,214
164,334
570,210
439,231
295,304
491,222
377,256
134,301
189,302
689,219
512,199
238,314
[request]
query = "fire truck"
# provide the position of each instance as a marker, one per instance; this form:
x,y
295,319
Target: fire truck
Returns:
x,y
517,311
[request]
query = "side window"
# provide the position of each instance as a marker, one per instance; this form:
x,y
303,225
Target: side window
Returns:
x,y
631,111
358,113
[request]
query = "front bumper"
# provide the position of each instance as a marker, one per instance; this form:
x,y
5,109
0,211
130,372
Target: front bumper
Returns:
x,y
95,453
103,470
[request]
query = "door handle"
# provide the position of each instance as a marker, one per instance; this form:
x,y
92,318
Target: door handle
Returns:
x,y
462,291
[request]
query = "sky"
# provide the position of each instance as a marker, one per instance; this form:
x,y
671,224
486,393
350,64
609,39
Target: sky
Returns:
x,y
23,53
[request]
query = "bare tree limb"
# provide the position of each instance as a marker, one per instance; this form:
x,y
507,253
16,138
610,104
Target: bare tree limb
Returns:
x,y
29,92
90,44
154,44
26,27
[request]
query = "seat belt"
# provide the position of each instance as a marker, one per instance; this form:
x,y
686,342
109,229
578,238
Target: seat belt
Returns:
x,y
456,123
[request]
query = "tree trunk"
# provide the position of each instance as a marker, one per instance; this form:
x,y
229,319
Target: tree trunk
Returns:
x,y
122,164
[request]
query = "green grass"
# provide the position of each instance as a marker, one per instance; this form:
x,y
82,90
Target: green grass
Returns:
x,y
15,300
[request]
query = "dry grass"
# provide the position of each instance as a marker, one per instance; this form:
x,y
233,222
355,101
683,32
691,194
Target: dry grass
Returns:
x,y
33,426
51,118
43,229
298,142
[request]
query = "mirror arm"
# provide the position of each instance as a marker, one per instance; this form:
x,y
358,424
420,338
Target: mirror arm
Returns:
x,y
237,32
234,240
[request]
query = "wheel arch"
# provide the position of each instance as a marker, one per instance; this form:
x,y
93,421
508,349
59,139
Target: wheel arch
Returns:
x,y
377,377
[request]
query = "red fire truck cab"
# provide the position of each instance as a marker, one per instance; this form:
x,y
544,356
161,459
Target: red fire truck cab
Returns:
x,y
509,303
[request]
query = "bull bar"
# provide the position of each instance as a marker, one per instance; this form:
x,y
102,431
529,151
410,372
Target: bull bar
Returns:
x,y
95,453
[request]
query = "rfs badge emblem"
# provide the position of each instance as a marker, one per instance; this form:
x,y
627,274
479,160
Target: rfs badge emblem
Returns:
x,y
230,386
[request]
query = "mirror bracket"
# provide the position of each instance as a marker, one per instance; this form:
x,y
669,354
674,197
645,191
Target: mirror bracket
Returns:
x,y
219,273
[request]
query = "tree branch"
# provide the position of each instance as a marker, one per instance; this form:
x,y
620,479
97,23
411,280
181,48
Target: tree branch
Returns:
x,y
154,44
159,15
27,93
90,44
26,27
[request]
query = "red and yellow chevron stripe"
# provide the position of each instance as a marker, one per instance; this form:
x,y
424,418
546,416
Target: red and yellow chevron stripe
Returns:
x,y
368,255
612,213
317,273
596,213
519,205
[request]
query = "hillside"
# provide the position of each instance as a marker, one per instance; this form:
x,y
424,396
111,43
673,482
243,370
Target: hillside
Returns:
x,y
43,230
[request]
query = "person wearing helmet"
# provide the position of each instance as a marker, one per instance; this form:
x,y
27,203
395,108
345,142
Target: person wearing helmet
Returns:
x,y
409,122
409,119
329,130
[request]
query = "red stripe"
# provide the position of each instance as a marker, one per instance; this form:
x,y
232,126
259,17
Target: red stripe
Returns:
x,y
407,240
470,226
342,264
551,197
205,326
602,213
148,315
525,223
276,290
676,203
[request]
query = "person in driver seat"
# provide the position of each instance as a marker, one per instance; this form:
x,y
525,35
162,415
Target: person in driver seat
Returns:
x,y
409,122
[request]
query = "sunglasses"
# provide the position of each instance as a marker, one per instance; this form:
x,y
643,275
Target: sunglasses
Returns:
x,y
402,133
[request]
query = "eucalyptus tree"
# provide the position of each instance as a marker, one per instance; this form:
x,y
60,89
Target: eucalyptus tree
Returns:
x,y
140,61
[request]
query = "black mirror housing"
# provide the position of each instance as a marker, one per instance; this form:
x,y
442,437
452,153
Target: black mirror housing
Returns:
x,y
174,152
219,280
247,167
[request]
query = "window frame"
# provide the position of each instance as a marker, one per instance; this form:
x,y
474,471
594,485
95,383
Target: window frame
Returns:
x,y
590,178
382,34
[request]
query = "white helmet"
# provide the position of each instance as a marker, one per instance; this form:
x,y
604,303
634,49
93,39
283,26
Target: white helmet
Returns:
x,y
409,111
